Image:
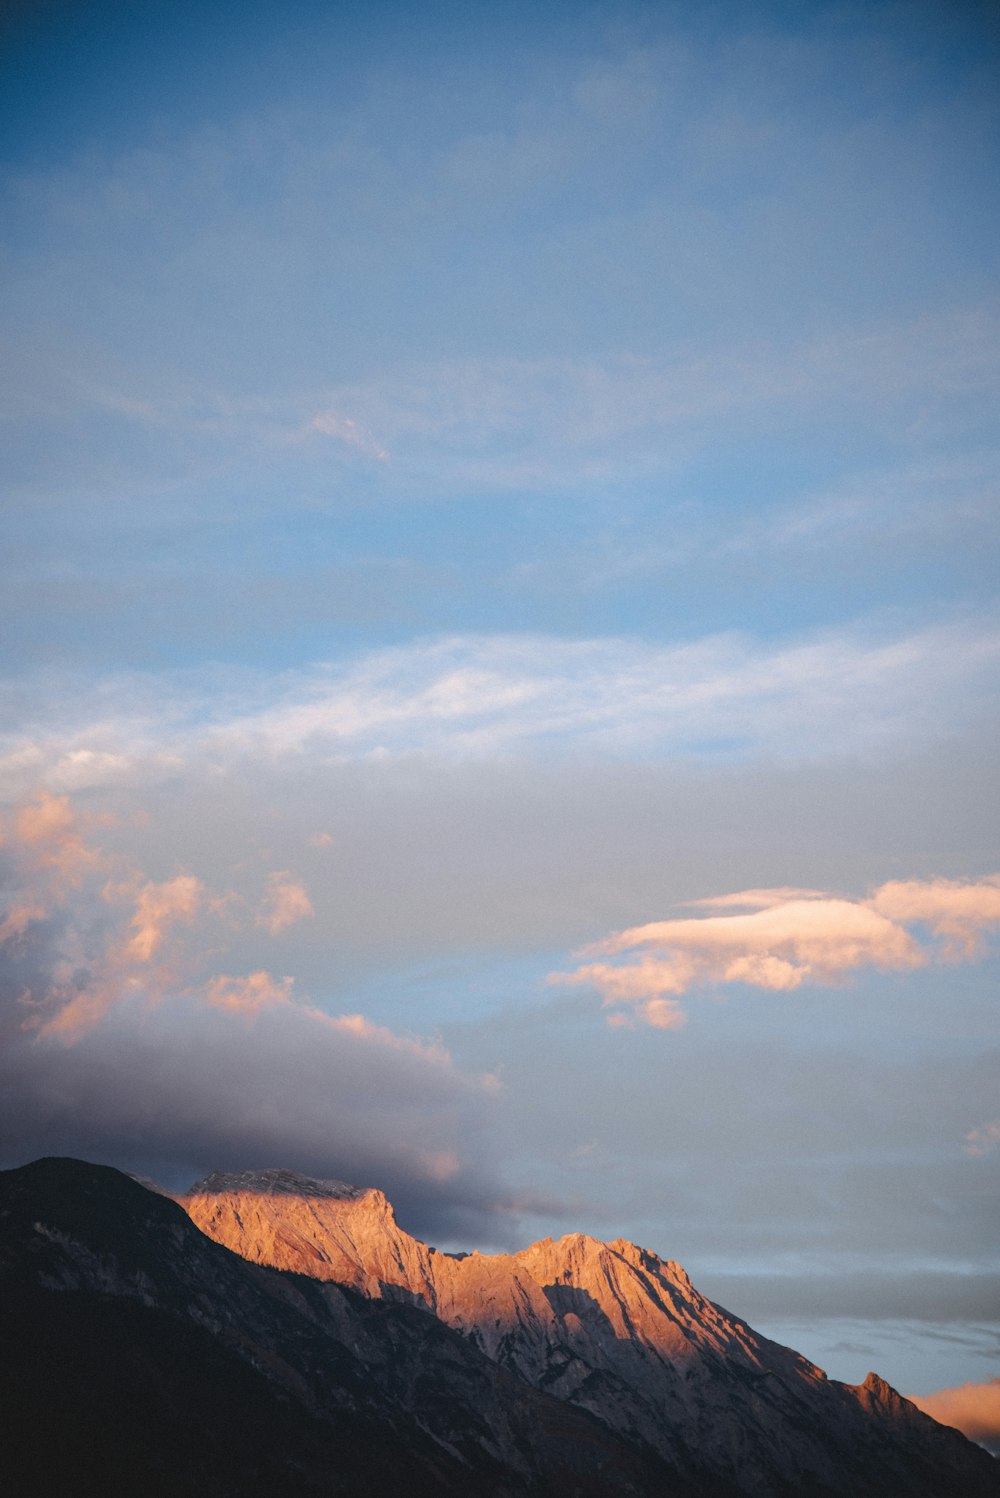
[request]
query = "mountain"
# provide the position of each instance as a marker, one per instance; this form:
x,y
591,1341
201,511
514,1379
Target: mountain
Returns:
x,y
142,1356
139,1356
618,1333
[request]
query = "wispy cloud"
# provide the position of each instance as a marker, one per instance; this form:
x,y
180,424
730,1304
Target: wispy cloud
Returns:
x,y
597,419
723,697
754,899
346,430
557,422
983,1139
787,940
22,913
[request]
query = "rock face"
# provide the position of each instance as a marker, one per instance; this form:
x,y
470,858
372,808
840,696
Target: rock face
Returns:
x,y
141,1357
619,1333
326,1229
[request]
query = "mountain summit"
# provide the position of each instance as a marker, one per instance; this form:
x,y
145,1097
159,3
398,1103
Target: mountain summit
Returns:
x,y
141,1357
617,1332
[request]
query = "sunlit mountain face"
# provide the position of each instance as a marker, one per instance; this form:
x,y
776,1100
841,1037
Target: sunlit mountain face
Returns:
x,y
499,663
134,1341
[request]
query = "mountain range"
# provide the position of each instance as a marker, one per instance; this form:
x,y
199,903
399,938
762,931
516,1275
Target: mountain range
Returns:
x,y
272,1334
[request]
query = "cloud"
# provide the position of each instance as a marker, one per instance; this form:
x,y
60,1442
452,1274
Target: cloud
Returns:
x,y
101,963
109,938
49,835
556,423
787,940
723,698
119,1044
248,995
364,1029
955,912
662,1014
286,902
190,1086
974,1409
18,917
983,1139
346,430
754,899
157,908
78,1009
102,960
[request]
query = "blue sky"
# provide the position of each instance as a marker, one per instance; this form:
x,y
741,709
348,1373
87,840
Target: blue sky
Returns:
x,y
476,481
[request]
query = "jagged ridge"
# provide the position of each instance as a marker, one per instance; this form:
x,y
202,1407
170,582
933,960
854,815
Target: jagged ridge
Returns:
x,y
142,1357
615,1330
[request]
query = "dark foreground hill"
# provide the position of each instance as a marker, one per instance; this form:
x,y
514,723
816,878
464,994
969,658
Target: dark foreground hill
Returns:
x,y
141,1357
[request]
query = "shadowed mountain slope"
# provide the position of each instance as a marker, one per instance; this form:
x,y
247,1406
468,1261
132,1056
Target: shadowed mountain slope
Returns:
x,y
139,1356
617,1332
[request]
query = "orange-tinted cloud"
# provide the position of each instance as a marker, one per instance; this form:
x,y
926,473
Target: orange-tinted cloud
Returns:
x,y
47,831
440,1165
147,957
248,995
662,1014
81,1010
123,964
954,911
755,899
158,907
974,1409
366,1030
983,1139
97,958
287,901
783,938
117,938
18,917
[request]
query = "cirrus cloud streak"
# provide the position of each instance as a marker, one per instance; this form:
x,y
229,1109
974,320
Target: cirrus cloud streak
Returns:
x,y
725,698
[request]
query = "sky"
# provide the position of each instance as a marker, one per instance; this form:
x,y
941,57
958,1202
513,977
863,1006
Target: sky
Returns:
x,y
500,630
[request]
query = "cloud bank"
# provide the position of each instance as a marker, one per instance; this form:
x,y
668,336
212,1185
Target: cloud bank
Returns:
x,y
974,1409
123,1039
792,938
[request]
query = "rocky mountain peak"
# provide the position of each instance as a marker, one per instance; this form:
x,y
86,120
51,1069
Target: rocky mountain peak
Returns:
x,y
328,1229
610,1328
876,1393
275,1182
646,1260
596,1364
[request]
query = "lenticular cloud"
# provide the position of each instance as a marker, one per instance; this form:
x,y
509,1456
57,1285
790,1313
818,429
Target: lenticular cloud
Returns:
x,y
782,939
